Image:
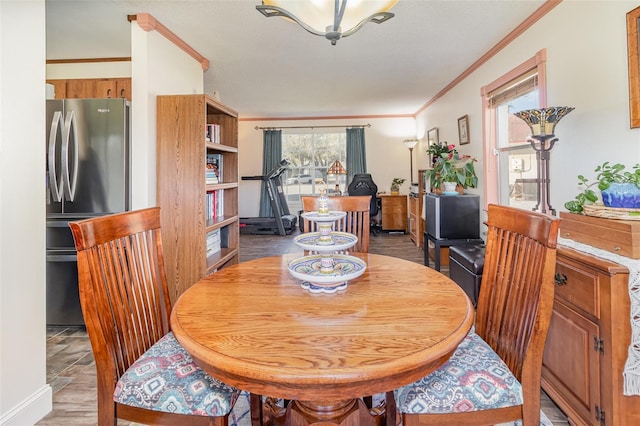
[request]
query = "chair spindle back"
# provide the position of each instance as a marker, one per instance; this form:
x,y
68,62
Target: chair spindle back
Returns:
x,y
516,294
123,286
357,220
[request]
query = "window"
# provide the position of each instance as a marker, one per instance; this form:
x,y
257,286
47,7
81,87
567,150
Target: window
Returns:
x,y
310,155
517,172
511,168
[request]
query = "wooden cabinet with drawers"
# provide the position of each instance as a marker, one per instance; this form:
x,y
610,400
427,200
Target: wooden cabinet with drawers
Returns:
x,y
588,341
394,212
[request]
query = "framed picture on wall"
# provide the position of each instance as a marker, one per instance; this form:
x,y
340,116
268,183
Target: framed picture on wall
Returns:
x,y
432,138
463,129
633,50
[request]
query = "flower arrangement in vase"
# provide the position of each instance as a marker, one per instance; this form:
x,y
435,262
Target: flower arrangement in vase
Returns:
x,y
451,167
437,149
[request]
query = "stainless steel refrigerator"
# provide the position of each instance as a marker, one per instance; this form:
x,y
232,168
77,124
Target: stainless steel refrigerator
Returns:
x,y
88,174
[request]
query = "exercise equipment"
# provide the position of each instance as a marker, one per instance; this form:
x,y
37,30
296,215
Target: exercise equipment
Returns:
x,y
282,222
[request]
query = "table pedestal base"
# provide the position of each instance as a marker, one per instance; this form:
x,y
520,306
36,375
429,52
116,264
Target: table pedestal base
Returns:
x,y
351,412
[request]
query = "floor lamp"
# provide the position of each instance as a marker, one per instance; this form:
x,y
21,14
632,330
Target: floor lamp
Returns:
x,y
542,123
410,143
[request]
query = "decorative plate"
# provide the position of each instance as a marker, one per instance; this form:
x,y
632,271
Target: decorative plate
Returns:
x,y
308,270
332,216
311,241
312,288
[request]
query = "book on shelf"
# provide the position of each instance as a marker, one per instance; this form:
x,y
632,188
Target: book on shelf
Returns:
x,y
216,240
213,172
211,178
215,204
219,206
213,133
211,202
213,242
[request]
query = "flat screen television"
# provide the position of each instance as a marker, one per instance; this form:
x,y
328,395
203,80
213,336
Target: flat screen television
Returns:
x,y
452,216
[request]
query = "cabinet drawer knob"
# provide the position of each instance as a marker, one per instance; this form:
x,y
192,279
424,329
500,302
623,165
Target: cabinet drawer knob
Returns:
x,y
560,279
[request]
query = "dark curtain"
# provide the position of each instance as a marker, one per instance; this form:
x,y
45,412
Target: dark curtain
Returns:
x,y
272,154
356,153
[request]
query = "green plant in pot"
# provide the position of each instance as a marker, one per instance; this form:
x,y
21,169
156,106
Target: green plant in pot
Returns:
x,y
618,188
452,168
395,185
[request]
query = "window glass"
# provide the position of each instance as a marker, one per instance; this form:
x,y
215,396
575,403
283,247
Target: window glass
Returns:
x,y
517,173
311,154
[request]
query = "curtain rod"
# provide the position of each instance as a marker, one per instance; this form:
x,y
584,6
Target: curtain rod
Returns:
x,y
311,127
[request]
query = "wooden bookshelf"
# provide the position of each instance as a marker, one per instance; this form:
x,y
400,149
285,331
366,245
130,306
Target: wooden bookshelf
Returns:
x,y
182,188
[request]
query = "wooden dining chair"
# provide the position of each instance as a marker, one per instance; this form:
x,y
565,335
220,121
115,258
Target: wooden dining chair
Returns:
x,y
494,375
356,221
144,375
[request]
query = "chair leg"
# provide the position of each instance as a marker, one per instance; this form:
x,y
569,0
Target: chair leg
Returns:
x,y
255,409
368,401
391,411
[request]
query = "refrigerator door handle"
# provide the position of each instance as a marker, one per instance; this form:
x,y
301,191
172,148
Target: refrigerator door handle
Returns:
x,y
70,132
55,181
62,257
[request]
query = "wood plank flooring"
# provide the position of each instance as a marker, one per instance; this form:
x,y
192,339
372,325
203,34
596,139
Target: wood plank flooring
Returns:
x,y
70,366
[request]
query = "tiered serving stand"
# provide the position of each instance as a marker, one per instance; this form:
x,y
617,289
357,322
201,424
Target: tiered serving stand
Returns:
x,y
328,268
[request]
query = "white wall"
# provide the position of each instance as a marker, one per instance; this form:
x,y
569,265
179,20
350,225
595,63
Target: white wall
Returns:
x,y
25,396
586,68
89,70
387,157
159,67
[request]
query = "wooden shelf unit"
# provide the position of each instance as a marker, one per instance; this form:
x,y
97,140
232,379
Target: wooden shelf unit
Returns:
x,y
588,340
416,219
182,151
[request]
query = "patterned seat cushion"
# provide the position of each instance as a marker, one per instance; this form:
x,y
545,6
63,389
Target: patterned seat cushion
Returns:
x,y
473,379
165,378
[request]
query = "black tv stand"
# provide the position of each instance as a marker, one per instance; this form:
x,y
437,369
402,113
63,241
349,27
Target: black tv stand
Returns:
x,y
282,222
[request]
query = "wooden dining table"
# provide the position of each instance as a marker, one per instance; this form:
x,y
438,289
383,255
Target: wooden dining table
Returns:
x,y
252,326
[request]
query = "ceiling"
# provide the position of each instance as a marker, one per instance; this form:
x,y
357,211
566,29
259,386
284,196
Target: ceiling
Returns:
x,y
270,67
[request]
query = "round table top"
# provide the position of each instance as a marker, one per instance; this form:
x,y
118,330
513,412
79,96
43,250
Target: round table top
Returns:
x,y
254,327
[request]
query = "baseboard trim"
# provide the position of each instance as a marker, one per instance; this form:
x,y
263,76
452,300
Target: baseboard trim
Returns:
x,y
32,409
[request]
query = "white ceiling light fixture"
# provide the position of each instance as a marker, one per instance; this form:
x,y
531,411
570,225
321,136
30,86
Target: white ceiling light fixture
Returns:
x,y
314,15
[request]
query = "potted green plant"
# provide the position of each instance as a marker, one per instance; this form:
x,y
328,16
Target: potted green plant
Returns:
x,y
618,188
395,185
452,168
